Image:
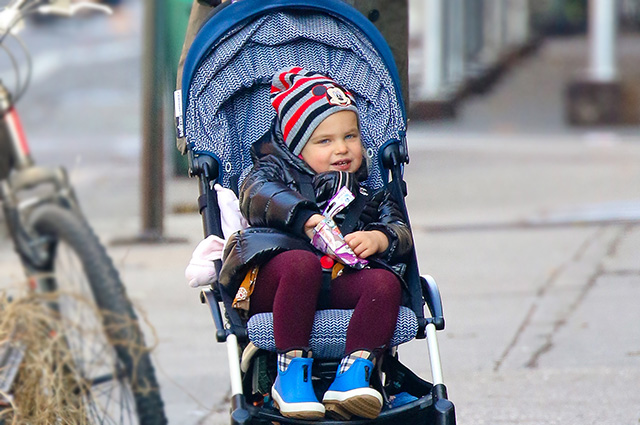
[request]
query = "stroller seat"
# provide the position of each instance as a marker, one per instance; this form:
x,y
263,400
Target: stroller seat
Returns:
x,y
329,332
223,110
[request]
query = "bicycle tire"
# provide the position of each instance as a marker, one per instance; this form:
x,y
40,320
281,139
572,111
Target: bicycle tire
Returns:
x,y
65,233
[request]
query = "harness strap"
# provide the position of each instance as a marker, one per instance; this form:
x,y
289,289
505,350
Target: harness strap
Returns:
x,y
306,185
354,211
324,299
352,215
351,219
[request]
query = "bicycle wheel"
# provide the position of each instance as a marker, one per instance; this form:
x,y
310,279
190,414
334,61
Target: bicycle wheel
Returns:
x,y
112,367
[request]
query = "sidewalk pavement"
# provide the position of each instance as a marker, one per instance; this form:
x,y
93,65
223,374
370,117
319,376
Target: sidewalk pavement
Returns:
x,y
532,233
530,228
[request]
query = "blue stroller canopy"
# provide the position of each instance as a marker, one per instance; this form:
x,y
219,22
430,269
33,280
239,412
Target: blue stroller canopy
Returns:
x,y
227,77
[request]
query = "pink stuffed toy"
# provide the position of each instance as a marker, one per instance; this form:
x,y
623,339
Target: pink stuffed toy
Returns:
x,y
201,270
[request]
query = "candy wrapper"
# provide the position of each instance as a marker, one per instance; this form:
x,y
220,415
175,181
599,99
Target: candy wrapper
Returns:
x,y
339,201
327,236
328,239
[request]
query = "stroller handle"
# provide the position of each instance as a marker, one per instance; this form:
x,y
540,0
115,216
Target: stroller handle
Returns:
x,y
207,169
434,301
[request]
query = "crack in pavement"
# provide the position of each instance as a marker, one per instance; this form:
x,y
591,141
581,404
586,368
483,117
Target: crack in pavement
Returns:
x,y
559,323
562,321
529,316
613,248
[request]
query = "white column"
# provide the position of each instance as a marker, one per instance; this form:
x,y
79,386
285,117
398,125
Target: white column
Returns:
x,y
432,51
517,23
474,37
456,56
493,32
602,39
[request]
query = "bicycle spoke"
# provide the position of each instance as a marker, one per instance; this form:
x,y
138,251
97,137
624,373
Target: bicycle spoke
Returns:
x,y
108,397
88,350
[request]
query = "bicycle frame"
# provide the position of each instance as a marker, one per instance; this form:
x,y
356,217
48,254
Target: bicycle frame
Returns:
x,y
23,175
14,133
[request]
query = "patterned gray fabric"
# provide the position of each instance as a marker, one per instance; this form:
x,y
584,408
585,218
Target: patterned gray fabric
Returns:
x,y
329,333
228,106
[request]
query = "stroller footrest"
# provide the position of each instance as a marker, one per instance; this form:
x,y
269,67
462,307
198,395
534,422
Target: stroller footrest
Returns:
x,y
329,332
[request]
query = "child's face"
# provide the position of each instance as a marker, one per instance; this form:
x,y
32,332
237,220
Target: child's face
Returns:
x,y
335,144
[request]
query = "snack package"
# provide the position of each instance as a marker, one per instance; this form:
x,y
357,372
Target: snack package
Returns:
x,y
328,239
339,201
327,236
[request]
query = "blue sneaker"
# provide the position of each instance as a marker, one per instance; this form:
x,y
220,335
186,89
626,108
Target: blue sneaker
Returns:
x,y
350,394
293,394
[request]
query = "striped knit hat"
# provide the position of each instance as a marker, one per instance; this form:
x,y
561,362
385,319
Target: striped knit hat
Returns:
x,y
302,100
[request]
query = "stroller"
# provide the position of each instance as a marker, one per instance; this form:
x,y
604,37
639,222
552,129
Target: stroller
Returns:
x,y
224,109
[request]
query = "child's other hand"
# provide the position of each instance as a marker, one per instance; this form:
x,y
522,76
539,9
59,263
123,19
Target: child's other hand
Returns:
x,y
201,270
366,243
230,216
311,223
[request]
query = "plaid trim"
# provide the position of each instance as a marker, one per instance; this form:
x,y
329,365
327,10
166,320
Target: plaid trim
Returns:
x,y
347,361
284,359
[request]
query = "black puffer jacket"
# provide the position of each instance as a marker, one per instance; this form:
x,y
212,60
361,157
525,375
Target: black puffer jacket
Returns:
x,y
272,201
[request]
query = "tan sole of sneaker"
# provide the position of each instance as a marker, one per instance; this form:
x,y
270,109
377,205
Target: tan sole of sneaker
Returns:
x,y
365,406
310,415
335,411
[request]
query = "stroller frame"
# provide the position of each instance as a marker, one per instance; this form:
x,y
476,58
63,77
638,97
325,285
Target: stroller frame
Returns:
x,y
432,406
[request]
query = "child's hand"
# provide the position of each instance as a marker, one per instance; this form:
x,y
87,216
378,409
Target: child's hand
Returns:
x,y
366,243
311,223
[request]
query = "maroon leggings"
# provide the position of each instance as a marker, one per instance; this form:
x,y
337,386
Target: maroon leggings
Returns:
x,y
289,286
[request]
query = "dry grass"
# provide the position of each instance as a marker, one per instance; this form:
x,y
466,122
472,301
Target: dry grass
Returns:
x,y
49,388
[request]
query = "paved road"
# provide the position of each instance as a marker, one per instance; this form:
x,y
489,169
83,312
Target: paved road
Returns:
x,y
531,229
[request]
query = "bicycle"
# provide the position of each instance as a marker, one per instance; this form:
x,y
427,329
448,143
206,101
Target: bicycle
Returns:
x,y
112,377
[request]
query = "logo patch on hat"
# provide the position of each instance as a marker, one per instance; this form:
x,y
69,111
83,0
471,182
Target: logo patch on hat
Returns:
x,y
319,90
337,97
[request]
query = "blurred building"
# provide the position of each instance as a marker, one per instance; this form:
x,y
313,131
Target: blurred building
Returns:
x,y
458,47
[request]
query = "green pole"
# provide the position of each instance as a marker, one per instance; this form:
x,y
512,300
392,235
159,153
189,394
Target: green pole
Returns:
x,y
153,84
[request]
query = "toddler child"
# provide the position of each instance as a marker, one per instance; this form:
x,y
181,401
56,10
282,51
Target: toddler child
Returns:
x,y
315,151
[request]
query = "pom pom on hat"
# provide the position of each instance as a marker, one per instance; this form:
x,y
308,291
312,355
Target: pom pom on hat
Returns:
x,y
303,99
